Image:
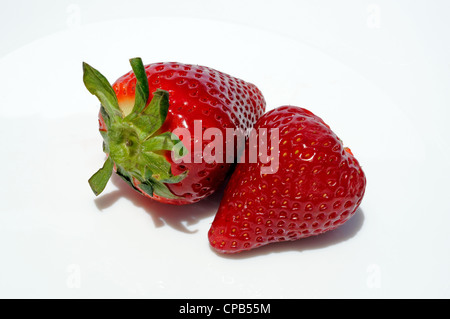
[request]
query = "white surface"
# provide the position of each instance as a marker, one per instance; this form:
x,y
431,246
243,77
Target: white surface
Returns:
x,y
388,104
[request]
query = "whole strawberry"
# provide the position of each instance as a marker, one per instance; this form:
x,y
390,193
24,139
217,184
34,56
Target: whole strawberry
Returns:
x,y
141,113
315,186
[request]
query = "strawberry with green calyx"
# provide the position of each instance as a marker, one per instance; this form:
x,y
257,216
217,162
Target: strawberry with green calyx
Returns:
x,y
145,140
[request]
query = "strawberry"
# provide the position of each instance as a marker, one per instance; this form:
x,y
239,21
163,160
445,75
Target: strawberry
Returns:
x,y
316,186
138,129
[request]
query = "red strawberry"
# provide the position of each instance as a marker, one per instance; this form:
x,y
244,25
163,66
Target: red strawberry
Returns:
x,y
318,186
137,129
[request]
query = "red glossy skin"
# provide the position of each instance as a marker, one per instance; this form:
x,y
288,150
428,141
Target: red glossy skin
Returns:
x,y
196,93
318,187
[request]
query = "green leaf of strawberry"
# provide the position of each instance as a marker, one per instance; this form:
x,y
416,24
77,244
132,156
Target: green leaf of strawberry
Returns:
x,y
161,190
142,91
166,141
99,180
99,86
150,119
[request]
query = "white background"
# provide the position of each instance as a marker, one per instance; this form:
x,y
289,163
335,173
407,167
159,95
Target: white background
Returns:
x,y
377,71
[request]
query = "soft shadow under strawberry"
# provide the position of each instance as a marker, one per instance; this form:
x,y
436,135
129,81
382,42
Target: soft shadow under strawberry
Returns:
x,y
332,237
177,217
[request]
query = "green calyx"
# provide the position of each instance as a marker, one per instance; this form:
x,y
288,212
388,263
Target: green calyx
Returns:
x,y
134,144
